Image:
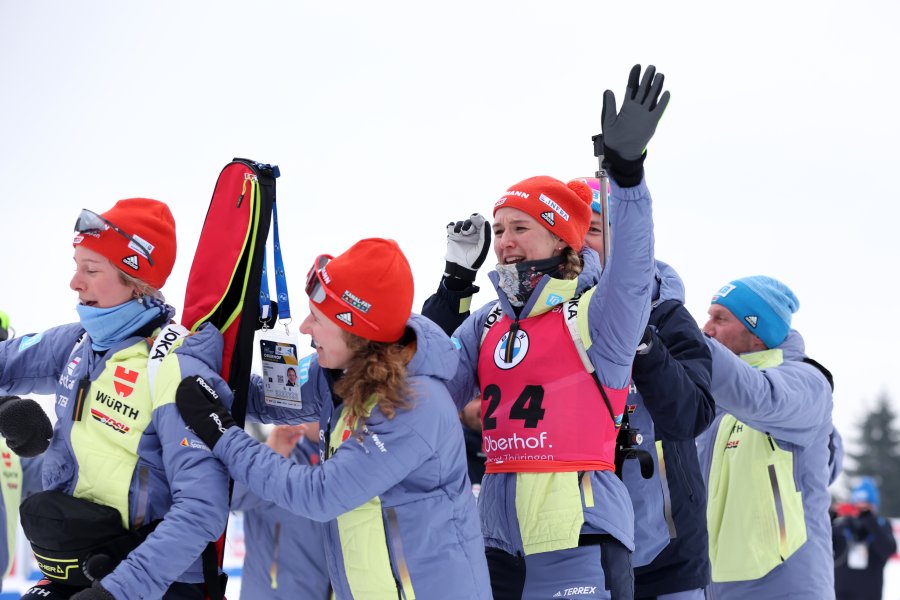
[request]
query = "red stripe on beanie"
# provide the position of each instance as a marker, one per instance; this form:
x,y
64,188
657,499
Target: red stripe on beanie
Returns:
x,y
152,223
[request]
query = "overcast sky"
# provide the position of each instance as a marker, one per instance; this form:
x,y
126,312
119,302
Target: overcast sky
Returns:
x,y
776,155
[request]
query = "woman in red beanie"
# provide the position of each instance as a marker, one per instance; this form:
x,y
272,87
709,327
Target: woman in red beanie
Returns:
x,y
140,498
551,358
393,489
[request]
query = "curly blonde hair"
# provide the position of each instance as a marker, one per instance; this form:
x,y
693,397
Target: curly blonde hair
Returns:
x,y
377,369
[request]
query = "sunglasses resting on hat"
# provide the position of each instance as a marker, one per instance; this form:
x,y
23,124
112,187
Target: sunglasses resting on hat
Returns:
x,y
90,222
317,290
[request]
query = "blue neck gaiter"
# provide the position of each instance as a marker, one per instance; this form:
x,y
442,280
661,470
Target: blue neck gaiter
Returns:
x,y
109,326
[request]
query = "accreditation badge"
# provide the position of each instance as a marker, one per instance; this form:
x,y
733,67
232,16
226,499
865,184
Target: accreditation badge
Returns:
x,y
281,371
858,556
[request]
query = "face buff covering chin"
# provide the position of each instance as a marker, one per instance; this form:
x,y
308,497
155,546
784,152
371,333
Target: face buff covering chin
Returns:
x,y
518,280
108,326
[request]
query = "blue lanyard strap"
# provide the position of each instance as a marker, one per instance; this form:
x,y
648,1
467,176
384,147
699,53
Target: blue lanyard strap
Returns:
x,y
284,305
281,290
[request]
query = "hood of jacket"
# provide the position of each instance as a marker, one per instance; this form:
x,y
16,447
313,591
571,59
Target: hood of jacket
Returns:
x,y
435,354
667,284
793,346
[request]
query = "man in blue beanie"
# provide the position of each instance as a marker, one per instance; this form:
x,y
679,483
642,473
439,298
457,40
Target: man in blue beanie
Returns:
x,y
863,543
768,456
762,305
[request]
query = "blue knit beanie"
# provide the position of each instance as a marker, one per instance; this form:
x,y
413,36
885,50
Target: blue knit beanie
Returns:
x,y
866,491
764,305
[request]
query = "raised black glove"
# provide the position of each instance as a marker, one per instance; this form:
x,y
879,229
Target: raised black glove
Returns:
x,y
468,243
95,592
200,408
25,425
626,133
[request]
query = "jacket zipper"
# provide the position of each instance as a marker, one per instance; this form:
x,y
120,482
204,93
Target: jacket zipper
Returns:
x,y
779,504
142,497
684,476
667,495
273,570
395,548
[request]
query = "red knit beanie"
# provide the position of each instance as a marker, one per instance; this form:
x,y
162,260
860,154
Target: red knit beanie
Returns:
x,y
151,224
370,290
563,209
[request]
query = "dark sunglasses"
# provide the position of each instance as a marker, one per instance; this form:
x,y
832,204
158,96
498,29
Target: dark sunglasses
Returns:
x,y
90,222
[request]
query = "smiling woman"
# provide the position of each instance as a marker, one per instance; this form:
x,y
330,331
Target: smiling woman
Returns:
x,y
550,462
536,238
394,456
551,358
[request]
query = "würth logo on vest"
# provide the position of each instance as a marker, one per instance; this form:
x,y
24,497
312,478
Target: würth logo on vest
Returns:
x,y
124,380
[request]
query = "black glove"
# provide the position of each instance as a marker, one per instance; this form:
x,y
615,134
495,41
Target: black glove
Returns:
x,y
626,133
25,425
468,243
200,408
95,592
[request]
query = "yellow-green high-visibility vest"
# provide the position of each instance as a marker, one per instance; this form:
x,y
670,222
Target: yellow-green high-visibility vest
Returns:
x,y
754,510
112,418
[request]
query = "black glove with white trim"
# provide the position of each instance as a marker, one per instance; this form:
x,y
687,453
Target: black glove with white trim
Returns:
x,y
200,408
25,425
468,243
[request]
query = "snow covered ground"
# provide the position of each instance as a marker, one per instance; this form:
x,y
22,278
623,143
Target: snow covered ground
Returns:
x,y
892,571
892,580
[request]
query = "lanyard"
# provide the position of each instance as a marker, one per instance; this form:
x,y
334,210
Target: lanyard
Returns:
x,y
281,291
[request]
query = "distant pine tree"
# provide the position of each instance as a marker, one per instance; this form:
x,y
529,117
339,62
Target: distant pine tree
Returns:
x,y
878,441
